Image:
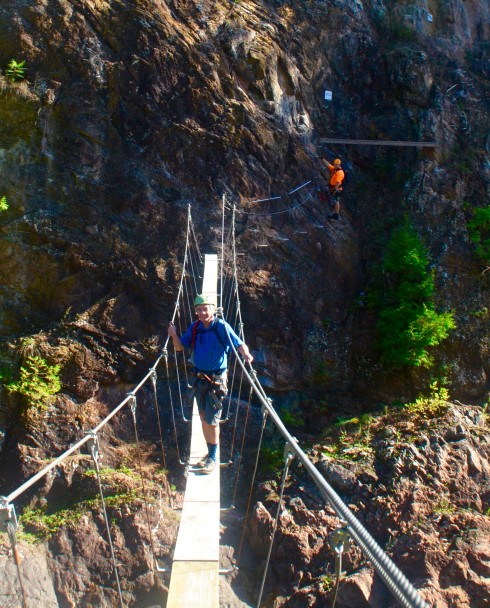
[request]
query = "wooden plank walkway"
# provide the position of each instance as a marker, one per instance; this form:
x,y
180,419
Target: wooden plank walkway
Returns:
x,y
195,570
378,142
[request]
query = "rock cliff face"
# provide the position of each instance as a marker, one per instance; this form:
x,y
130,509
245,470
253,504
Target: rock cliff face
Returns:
x,y
424,497
133,109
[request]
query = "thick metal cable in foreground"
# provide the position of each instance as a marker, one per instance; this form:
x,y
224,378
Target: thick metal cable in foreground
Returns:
x,y
394,579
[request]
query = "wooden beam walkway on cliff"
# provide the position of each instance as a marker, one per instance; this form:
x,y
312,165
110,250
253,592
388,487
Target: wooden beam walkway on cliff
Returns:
x,y
379,142
195,568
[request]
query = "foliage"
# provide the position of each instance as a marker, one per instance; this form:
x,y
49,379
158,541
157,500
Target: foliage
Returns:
x,y
433,405
272,458
43,526
407,323
479,228
15,70
3,204
444,507
38,525
37,383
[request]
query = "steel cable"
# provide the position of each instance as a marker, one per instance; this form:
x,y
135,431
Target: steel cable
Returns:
x,y
288,459
94,451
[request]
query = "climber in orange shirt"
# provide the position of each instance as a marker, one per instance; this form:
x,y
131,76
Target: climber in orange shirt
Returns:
x,y
337,177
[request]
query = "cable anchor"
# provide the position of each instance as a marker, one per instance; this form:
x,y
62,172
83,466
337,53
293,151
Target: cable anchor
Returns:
x,y
153,377
132,403
93,446
340,537
8,518
339,540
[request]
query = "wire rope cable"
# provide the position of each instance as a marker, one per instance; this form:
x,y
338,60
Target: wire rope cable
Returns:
x,y
142,477
241,448
252,482
164,459
94,451
287,462
395,580
174,424
12,534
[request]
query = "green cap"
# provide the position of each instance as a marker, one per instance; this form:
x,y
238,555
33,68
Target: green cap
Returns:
x,y
204,298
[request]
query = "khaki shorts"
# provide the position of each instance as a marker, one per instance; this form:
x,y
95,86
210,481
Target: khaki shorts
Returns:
x,y
210,397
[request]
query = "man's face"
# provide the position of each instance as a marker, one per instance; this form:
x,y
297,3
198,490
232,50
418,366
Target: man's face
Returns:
x,y
205,312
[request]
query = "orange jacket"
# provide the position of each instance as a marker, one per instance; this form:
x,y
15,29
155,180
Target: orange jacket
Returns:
x,y
336,176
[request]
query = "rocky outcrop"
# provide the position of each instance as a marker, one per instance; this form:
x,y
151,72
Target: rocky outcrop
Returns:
x,y
426,501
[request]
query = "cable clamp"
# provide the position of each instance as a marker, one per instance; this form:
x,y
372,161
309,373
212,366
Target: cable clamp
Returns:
x,y
8,518
340,537
132,402
93,445
288,450
265,412
153,376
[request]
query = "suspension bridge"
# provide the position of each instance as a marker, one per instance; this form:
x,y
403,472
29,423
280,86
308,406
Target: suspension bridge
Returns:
x,y
195,569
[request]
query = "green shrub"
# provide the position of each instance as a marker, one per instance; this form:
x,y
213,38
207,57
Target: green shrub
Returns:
x,y
37,383
15,70
408,323
3,204
479,228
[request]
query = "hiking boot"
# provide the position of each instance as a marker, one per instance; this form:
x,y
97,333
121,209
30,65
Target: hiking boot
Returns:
x,y
202,462
208,466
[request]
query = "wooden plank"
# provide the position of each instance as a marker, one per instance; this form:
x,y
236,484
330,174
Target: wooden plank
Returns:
x,y
379,142
195,568
194,585
210,279
198,538
198,485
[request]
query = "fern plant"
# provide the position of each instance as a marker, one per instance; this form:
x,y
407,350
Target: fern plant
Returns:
x,y
38,382
408,324
3,204
15,70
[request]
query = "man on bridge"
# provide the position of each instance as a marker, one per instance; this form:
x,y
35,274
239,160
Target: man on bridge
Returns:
x,y
209,338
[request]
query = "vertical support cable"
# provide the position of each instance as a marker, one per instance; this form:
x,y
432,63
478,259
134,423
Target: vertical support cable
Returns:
x,y
288,458
164,460
165,354
8,522
133,404
93,446
265,413
223,199
241,449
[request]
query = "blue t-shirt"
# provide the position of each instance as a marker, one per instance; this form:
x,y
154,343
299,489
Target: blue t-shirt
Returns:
x,y
210,353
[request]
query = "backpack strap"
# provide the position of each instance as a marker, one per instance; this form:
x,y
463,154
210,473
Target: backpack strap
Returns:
x,y
214,327
194,334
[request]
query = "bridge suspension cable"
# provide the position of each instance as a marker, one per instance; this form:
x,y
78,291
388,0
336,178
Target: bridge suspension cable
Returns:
x,y
8,518
394,579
